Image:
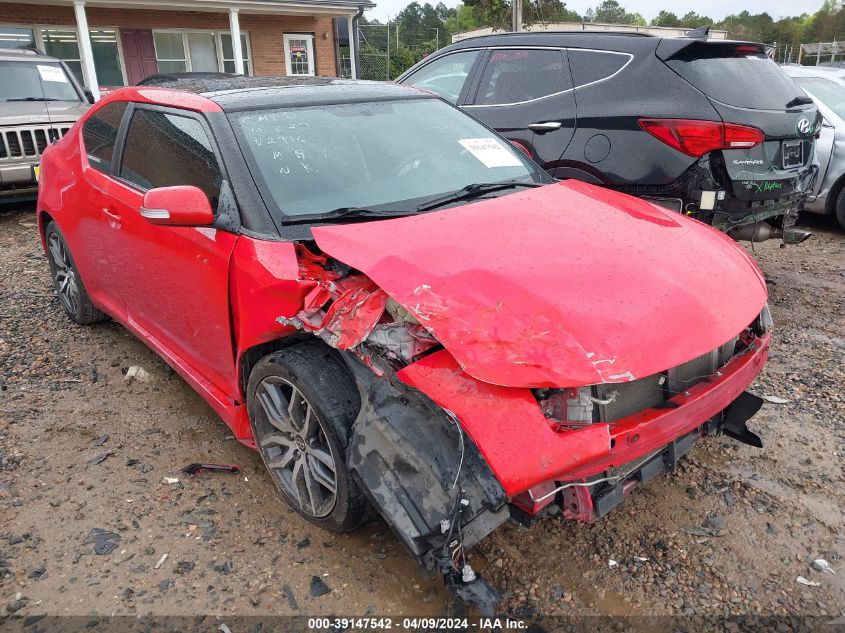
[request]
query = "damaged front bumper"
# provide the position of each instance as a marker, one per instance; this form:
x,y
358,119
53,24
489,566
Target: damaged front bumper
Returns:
x,y
446,459
524,451
591,498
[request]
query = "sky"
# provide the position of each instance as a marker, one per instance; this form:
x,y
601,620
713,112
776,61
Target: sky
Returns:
x,y
716,9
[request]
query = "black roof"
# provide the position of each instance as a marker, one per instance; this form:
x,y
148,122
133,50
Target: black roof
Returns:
x,y
250,93
158,79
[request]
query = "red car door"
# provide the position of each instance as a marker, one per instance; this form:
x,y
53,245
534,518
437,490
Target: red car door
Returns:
x,y
93,230
173,279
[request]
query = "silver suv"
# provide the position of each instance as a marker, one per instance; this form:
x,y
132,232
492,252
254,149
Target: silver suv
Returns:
x,y
39,100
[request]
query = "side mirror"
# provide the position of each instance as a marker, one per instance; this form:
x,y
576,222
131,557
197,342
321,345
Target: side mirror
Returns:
x,y
89,96
177,206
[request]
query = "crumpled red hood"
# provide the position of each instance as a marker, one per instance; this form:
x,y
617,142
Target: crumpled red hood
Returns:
x,y
559,286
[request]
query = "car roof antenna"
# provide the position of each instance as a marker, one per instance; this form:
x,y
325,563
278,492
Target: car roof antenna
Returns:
x,y
701,33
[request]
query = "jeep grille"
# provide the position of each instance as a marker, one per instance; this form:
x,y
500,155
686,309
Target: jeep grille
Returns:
x,y
28,142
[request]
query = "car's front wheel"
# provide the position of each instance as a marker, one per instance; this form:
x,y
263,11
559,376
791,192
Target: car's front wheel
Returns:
x,y
67,281
839,210
302,403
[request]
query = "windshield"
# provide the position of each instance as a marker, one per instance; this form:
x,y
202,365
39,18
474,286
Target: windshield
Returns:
x,y
387,154
828,92
737,77
28,81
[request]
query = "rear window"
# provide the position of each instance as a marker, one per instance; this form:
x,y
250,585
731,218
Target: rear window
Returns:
x,y
736,77
591,66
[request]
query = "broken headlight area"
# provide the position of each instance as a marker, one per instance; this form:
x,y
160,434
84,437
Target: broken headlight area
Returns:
x,y
348,311
574,408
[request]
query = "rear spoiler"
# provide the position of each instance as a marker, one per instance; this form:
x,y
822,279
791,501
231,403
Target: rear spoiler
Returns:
x,y
696,40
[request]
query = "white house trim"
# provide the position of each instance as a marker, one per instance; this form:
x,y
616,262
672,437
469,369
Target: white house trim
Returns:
x,y
353,66
83,38
291,7
235,28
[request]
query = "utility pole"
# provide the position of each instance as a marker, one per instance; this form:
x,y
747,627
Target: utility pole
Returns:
x,y
388,47
516,18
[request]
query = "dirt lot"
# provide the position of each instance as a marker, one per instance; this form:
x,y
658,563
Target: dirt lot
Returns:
x,y
232,548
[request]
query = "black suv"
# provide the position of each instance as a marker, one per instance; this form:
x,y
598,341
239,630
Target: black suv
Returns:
x,y
710,128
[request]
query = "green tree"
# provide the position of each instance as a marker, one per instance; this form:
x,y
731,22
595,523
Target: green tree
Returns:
x,y
692,20
534,11
666,18
464,19
494,13
635,19
610,12
827,23
745,26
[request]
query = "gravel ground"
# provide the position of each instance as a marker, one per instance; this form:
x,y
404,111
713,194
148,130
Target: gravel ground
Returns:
x,y
83,449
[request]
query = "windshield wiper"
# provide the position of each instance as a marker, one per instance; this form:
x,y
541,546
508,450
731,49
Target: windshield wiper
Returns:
x,y
797,101
33,99
473,191
344,213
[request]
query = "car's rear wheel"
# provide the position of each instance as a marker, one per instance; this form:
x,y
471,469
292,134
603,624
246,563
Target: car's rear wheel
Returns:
x,y
67,281
302,403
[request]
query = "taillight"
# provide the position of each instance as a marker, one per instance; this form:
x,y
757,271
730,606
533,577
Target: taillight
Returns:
x,y
742,136
697,138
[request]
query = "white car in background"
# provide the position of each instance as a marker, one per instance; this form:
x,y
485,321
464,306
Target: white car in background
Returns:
x,y
826,85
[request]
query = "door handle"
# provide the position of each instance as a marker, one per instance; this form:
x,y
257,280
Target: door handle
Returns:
x,y
112,217
545,126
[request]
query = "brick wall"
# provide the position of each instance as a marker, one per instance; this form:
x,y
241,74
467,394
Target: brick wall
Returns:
x,y
265,31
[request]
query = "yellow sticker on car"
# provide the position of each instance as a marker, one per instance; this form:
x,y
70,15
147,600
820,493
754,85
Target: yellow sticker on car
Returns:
x,y
36,171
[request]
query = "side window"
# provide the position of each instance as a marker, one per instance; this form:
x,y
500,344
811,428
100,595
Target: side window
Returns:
x,y
590,66
99,134
445,76
513,75
165,150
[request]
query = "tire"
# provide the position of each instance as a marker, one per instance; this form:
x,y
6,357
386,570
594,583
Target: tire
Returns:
x,y
302,403
67,281
839,209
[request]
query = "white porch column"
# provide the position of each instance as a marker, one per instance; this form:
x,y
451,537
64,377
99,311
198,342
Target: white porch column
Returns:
x,y
235,29
84,36
353,67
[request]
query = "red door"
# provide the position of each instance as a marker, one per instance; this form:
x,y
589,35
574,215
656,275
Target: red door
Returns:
x,y
173,280
139,54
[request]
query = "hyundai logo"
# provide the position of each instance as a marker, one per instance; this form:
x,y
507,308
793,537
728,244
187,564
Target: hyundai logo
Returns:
x,y
804,125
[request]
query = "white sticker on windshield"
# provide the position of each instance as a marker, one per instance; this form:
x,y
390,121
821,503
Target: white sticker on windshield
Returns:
x,y
490,152
52,73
